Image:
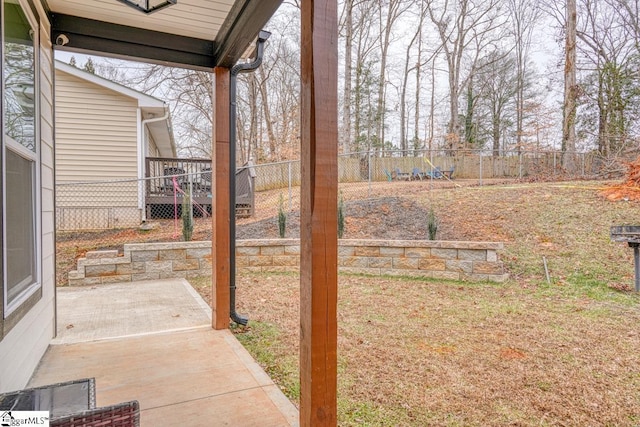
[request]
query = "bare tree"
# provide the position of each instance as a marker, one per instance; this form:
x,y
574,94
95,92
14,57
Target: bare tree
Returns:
x,y
283,77
629,11
432,106
610,60
249,120
497,85
389,13
190,95
366,116
418,88
347,30
414,63
268,121
467,28
570,88
277,82
405,80
524,16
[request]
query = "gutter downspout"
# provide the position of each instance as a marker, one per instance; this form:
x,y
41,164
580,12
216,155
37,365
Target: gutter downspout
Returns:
x,y
237,69
145,153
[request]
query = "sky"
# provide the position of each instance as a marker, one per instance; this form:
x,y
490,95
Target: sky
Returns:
x,y
545,55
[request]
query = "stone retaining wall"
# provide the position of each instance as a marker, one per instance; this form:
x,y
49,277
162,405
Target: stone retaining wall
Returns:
x,y
418,258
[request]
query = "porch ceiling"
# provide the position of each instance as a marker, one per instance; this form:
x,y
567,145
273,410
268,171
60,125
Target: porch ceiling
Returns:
x,y
201,19
198,34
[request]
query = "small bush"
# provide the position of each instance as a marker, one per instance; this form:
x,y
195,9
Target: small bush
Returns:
x,y
432,224
340,216
282,218
187,217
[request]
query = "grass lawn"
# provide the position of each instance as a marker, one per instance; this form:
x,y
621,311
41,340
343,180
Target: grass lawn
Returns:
x,y
426,352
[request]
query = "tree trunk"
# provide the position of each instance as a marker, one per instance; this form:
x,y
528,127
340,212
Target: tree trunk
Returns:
x,y
432,104
466,29
346,107
403,108
570,89
416,119
453,137
254,116
404,120
384,48
523,16
356,103
393,13
267,115
495,133
468,120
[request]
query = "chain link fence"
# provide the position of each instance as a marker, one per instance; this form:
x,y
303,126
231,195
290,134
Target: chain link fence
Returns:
x,y
117,204
261,190
174,202
360,174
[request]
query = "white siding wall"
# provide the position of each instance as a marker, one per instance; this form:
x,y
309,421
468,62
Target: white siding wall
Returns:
x,y
96,132
152,148
96,140
22,348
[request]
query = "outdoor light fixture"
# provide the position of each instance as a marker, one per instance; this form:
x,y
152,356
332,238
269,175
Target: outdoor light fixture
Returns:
x,y
148,6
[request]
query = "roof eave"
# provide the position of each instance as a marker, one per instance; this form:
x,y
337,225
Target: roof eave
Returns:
x,y
162,133
144,100
242,25
245,20
121,41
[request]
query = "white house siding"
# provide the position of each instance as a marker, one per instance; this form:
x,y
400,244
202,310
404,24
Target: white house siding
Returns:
x,y
152,148
22,348
96,140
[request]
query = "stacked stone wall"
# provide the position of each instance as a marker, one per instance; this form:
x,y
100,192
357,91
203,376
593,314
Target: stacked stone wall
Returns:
x,y
434,259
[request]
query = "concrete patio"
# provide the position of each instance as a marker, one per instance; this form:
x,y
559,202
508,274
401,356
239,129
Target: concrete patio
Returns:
x,y
153,342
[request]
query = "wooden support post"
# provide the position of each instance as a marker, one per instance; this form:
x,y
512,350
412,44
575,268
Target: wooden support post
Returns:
x,y
220,203
318,225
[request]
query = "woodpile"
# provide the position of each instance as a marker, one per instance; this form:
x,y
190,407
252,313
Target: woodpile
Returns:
x,y
630,188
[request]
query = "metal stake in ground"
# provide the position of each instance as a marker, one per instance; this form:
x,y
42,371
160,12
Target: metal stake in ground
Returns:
x,y
631,235
636,261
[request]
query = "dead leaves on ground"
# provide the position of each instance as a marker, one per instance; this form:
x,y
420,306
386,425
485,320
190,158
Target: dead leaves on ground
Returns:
x,y
629,189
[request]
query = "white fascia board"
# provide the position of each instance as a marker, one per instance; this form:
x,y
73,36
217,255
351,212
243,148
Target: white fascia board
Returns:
x,y
144,100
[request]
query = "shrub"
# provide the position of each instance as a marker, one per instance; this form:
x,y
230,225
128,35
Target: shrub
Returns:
x,y
432,224
340,216
187,217
282,218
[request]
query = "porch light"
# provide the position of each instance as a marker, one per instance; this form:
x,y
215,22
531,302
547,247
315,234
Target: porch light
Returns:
x,y
148,6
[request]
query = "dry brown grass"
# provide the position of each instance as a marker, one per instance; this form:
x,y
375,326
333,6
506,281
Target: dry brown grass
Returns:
x,y
525,353
447,354
435,353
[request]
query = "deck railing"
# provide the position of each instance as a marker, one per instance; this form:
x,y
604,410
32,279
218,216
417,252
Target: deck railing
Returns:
x,y
168,180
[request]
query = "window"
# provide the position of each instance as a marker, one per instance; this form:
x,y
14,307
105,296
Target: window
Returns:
x,y
20,155
20,231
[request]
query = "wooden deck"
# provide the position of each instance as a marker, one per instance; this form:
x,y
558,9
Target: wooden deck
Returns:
x,y
168,180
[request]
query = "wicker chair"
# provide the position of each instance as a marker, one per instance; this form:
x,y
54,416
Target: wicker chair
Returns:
x,y
72,404
126,414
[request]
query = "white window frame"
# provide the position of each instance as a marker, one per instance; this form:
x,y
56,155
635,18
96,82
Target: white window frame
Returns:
x,y
10,144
